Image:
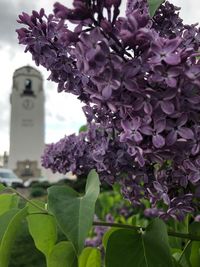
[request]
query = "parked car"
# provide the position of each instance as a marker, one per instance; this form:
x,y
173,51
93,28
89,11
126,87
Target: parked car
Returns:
x,y
36,180
9,178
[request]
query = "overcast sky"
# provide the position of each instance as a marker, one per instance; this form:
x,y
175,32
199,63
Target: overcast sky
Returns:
x,y
63,111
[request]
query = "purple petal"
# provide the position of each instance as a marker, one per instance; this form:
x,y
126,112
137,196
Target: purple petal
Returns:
x,y
186,133
158,186
189,165
147,130
169,94
124,136
172,59
107,92
195,149
158,141
125,125
137,137
166,199
194,99
182,120
194,177
171,82
171,138
135,123
138,104
148,108
172,45
160,125
140,159
131,85
167,107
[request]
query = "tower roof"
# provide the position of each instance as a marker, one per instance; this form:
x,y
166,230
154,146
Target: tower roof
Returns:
x,y
27,70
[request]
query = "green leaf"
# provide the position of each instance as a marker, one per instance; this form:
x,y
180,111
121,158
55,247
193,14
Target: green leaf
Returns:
x,y
62,255
2,187
154,5
90,257
10,235
5,218
107,235
194,229
7,202
149,249
43,231
177,264
83,128
74,213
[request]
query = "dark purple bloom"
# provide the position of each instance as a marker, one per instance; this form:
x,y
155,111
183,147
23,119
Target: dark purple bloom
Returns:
x,y
159,126
180,130
166,50
139,80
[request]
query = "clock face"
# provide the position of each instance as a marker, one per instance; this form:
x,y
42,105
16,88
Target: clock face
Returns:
x,y
28,104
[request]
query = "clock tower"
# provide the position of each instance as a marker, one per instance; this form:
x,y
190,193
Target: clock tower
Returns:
x,y
26,123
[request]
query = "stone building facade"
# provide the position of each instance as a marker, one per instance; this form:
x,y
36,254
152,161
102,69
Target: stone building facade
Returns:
x,y
27,123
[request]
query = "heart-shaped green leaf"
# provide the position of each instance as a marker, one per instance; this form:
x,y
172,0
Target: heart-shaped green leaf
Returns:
x,y
74,213
149,249
90,257
10,235
63,255
154,5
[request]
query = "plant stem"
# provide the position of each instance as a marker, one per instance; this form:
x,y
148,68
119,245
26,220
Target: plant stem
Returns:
x,y
133,227
118,225
28,200
182,253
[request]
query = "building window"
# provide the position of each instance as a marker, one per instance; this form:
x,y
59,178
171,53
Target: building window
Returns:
x,y
28,88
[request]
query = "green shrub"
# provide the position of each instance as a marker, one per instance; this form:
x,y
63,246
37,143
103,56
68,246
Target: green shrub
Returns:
x,y
37,192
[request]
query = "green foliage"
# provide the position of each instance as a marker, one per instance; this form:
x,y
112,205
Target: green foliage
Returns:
x,y
42,228
2,187
63,255
90,257
190,257
83,128
24,252
37,192
39,184
76,220
154,5
5,219
107,236
7,202
133,241
10,235
146,249
195,246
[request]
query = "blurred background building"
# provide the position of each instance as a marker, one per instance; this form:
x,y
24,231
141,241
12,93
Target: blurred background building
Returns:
x,y
27,127
27,123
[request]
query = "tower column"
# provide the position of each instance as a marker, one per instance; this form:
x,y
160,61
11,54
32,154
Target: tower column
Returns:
x,y
26,123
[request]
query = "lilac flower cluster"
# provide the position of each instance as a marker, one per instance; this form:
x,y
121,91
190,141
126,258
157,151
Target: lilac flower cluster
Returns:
x,y
139,78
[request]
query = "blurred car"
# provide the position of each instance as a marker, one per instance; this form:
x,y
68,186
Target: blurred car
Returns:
x,y
9,178
35,180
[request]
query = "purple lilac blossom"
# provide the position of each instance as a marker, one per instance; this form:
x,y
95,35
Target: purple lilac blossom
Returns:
x,y
139,78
